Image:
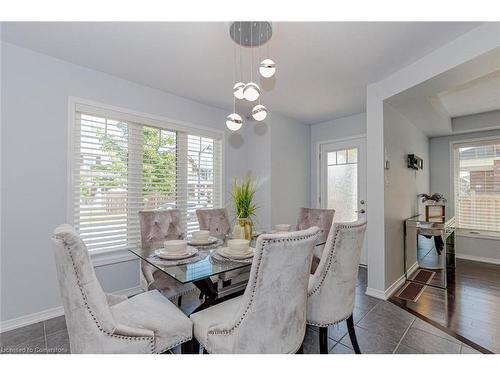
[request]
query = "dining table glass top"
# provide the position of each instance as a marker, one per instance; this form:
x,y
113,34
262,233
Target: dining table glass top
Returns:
x,y
203,266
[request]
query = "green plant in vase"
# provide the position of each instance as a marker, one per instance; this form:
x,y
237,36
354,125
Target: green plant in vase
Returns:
x,y
243,198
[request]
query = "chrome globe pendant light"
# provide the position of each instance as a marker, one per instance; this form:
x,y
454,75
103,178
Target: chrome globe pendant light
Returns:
x,y
267,66
251,92
248,34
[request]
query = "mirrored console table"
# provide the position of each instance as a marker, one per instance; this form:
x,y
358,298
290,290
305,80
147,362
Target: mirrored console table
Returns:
x,y
429,251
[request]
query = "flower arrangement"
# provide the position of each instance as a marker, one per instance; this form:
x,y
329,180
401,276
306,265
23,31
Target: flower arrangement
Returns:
x,y
436,197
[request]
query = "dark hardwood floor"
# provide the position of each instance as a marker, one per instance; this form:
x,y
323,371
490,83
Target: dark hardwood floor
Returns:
x,y
469,309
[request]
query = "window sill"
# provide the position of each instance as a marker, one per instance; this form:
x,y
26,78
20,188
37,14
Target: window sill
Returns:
x,y
103,258
478,234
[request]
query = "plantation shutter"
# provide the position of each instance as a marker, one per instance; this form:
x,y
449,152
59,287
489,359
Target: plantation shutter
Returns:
x,y
477,185
123,165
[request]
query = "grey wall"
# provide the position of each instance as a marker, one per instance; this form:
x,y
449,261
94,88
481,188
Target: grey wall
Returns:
x,y
332,130
290,150
475,248
35,91
402,185
477,122
441,172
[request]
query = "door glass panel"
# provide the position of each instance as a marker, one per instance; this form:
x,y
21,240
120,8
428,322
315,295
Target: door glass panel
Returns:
x,y
352,155
342,184
332,158
342,157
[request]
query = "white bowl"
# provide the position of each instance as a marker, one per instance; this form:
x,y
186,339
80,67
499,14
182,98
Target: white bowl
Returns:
x,y
175,246
238,246
201,235
282,227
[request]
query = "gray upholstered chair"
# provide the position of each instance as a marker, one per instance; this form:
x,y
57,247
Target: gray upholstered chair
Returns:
x,y
316,217
158,226
332,288
216,221
270,317
100,323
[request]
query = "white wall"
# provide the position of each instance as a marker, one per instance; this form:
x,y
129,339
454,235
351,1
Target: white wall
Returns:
x,y
35,91
402,185
344,127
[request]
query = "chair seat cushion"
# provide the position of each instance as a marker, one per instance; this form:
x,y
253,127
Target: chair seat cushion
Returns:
x,y
152,311
170,287
221,313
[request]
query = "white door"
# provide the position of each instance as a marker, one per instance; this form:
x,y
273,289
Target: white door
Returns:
x,y
343,180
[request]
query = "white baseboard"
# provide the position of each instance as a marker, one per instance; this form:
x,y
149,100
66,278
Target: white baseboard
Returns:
x,y
40,316
384,295
478,259
413,268
375,293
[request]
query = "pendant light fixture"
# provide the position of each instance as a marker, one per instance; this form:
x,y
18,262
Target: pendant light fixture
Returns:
x,y
267,68
234,122
259,112
250,34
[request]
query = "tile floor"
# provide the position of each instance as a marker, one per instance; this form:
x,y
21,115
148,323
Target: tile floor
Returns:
x,y
381,327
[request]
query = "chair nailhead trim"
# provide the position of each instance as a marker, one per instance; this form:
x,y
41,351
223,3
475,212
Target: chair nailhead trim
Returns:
x,y
331,253
254,283
84,296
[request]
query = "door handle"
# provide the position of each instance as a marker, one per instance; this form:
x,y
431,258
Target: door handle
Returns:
x,y
362,211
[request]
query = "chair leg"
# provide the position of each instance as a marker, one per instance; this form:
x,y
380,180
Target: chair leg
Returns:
x,y
352,335
195,345
301,350
323,340
179,301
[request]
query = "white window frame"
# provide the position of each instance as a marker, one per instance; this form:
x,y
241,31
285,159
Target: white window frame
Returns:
x,y
104,257
453,171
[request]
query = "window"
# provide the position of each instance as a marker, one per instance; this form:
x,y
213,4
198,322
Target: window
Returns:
x,y
477,185
124,164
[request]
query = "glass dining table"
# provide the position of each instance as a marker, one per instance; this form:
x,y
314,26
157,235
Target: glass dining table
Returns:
x,y
201,269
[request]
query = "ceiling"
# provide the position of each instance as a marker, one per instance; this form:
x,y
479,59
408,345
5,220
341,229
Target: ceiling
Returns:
x,y
468,89
322,67
477,96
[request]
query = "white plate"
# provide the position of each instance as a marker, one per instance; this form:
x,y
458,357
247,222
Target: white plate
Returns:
x,y
190,251
211,240
226,253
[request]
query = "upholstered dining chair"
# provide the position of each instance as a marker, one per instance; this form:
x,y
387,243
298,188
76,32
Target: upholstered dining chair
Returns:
x,y
158,226
332,288
216,221
316,217
104,323
270,317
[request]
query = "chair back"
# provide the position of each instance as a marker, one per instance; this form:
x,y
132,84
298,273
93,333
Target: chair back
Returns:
x,y
272,313
215,220
316,217
158,226
332,289
86,310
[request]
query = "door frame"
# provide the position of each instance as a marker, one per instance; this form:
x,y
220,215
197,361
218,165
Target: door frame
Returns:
x,y
361,137
318,160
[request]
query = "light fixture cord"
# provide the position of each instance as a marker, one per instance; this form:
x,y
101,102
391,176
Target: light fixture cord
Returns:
x,y
251,46
241,61
234,77
260,53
